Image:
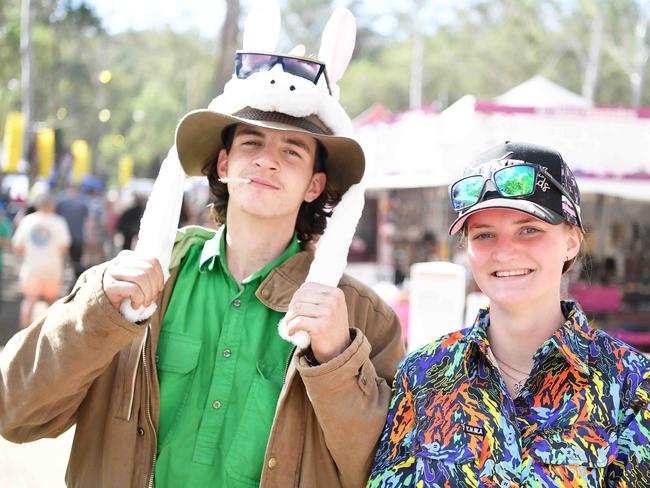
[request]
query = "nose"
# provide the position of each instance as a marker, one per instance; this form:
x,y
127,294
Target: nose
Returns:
x,y
267,159
506,249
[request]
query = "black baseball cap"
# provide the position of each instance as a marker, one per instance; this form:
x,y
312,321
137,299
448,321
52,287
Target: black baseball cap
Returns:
x,y
551,201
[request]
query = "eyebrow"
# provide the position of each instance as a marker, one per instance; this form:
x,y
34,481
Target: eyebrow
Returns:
x,y
299,143
248,131
251,131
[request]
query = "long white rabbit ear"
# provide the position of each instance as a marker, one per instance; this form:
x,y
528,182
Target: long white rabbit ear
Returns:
x,y
299,50
262,27
337,43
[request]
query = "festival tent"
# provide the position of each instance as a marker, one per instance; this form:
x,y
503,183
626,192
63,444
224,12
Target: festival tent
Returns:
x,y
607,147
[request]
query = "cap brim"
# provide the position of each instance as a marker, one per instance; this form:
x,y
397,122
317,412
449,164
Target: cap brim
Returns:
x,y
525,206
198,142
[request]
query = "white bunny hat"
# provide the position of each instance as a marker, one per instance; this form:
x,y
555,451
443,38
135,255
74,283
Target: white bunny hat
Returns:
x,y
277,100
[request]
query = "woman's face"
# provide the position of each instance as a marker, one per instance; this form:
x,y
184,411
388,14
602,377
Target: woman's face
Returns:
x,y
516,258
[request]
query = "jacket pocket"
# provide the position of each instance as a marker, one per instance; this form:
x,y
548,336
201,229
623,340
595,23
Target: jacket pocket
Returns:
x,y
246,455
176,360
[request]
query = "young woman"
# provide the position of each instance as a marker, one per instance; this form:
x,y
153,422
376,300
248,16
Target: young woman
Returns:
x,y
530,395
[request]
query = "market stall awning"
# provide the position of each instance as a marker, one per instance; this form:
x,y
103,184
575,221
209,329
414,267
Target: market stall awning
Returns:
x,y
608,147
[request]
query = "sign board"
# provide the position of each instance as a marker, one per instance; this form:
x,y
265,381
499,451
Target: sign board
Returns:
x,y
437,301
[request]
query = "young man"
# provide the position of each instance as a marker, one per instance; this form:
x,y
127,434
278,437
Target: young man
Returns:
x,y
206,392
42,238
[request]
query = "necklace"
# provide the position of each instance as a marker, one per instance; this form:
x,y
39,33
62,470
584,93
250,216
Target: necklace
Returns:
x,y
518,384
502,362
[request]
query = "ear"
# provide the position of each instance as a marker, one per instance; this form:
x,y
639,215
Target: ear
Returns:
x,y
337,43
316,187
574,241
222,163
262,27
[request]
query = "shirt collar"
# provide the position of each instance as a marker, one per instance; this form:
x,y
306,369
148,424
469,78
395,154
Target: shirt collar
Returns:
x,y
214,250
211,250
572,340
476,337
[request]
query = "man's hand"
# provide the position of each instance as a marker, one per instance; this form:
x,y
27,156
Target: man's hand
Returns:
x,y
320,311
136,278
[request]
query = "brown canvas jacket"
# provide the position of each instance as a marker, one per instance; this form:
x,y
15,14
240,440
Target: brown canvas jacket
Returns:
x,y
82,363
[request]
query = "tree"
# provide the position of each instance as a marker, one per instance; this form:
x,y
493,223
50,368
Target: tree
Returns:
x,y
228,45
629,45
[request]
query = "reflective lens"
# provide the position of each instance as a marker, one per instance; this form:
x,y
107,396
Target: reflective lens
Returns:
x,y
466,192
515,181
248,63
511,181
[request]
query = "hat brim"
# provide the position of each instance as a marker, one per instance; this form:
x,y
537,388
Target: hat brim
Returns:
x,y
198,142
525,206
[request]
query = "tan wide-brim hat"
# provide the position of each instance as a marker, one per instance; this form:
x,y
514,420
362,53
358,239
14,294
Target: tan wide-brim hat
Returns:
x,y
198,141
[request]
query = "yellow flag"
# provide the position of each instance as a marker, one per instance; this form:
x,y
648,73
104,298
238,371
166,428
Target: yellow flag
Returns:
x,y
45,151
124,170
13,142
80,160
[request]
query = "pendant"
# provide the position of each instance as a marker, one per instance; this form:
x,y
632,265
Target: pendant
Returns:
x,y
519,386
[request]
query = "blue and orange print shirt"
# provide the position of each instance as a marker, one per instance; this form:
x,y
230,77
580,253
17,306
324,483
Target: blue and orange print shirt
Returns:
x,y
582,419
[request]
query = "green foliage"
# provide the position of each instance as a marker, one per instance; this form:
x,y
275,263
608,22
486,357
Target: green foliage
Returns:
x,y
478,47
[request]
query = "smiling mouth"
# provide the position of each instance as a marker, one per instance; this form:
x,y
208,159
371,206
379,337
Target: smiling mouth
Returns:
x,y
514,272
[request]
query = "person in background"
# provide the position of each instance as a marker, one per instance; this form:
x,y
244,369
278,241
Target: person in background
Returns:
x,y
6,229
128,222
530,395
72,206
95,231
42,238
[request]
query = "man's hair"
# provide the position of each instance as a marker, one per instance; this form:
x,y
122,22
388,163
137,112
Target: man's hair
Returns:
x,y
312,216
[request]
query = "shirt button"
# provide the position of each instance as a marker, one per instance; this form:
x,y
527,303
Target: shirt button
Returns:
x,y
227,353
272,463
140,431
216,404
236,303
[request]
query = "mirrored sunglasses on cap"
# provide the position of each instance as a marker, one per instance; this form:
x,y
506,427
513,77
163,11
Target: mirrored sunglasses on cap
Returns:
x,y
516,180
247,63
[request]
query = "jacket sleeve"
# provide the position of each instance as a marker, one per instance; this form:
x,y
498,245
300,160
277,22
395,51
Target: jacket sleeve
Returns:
x,y
350,393
46,369
632,464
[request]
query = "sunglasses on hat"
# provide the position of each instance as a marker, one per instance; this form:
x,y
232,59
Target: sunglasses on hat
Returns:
x,y
247,63
516,179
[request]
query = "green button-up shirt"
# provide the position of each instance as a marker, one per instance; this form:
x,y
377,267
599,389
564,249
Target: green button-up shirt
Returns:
x,y
221,366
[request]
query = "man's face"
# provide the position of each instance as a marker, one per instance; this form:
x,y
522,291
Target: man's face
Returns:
x,y
280,166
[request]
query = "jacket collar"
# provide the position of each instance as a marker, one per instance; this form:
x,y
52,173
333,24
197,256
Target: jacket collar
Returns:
x,y
214,250
282,282
572,340
275,291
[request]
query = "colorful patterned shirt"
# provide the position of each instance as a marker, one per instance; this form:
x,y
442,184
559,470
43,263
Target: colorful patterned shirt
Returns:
x,y
582,418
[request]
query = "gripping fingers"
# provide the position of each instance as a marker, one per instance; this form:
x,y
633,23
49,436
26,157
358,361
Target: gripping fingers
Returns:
x,y
301,322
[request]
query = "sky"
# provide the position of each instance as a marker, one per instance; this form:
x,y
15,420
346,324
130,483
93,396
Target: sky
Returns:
x,y
206,16
119,15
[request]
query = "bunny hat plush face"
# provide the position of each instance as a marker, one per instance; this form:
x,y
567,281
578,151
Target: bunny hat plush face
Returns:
x,y
275,99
